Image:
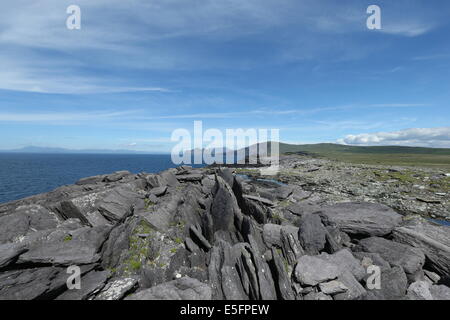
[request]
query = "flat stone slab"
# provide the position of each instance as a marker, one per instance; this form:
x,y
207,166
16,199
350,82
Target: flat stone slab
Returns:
x,y
397,254
9,252
116,289
362,218
180,289
432,239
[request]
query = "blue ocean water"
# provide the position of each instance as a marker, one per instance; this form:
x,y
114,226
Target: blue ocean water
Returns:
x,y
23,175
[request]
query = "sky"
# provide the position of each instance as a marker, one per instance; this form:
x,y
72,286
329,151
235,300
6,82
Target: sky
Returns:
x,y
139,69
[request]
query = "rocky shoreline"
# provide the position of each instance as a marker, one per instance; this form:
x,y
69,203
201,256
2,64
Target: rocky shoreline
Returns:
x,y
219,233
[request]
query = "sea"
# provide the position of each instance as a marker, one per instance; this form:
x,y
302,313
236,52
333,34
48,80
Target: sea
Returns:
x,y
27,174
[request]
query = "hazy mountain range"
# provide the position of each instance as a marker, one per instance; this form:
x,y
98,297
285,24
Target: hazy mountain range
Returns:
x,y
33,149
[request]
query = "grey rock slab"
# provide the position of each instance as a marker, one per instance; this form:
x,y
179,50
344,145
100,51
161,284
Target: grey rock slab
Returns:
x,y
361,218
440,292
282,279
158,191
409,258
9,252
290,246
91,180
82,248
393,285
24,219
192,177
262,200
201,240
432,239
117,289
355,291
332,287
345,261
116,176
27,284
419,290
35,283
168,178
90,283
434,277
317,296
312,234
272,233
180,289
119,203
225,210
302,208
311,270
369,258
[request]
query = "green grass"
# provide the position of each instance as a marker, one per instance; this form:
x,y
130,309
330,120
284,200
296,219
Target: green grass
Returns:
x,y
383,155
148,204
138,248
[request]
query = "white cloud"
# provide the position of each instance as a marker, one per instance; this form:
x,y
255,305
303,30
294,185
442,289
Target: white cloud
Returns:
x,y
408,29
423,137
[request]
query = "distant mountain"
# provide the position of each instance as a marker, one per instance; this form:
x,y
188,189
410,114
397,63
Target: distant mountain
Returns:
x,y
384,155
33,149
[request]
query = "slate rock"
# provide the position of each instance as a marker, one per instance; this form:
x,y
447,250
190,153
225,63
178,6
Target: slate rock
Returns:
x,y
317,296
361,218
345,261
82,248
272,233
9,252
393,285
355,291
332,287
180,289
419,290
312,234
35,283
91,180
281,277
290,246
158,191
311,270
119,203
432,239
116,176
397,254
117,289
440,292
224,209
91,283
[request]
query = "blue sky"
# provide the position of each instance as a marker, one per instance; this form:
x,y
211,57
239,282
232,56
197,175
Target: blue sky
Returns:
x,y
137,70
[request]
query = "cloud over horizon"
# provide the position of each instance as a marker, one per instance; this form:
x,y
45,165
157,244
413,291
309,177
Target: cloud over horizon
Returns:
x,y
414,137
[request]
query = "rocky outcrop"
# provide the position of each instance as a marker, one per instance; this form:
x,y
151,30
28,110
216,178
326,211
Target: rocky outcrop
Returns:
x,y
431,239
207,233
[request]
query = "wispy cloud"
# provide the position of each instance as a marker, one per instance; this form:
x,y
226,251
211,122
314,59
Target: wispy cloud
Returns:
x,y
411,29
63,116
432,57
139,114
400,105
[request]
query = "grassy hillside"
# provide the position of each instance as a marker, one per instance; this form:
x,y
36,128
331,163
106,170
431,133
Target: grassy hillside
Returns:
x,y
388,155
